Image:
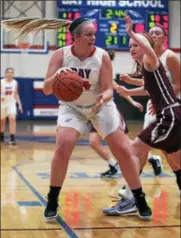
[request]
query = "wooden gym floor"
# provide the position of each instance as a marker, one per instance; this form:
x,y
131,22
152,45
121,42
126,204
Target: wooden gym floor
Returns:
x,y
25,181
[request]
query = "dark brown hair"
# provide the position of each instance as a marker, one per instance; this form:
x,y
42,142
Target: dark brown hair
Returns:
x,y
138,71
111,54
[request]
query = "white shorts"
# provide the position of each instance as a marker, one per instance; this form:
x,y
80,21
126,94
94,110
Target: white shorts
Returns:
x,y
106,121
148,119
8,110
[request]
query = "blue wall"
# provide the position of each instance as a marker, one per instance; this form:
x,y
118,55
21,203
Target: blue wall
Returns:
x,y
30,98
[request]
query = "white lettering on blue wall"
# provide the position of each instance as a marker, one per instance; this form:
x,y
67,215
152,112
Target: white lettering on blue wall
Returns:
x,y
145,4
71,2
102,3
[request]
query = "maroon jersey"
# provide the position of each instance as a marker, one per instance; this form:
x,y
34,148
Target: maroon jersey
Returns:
x,y
159,88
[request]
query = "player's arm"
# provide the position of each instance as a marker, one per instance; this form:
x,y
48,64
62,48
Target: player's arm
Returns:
x,y
174,67
106,82
18,100
128,98
134,103
2,95
106,78
54,64
150,59
129,80
122,91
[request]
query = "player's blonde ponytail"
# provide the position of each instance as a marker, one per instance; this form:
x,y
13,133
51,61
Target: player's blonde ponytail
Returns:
x,y
23,26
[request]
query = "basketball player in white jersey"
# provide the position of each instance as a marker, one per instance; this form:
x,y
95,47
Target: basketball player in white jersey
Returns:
x,y
172,67
94,105
93,65
9,98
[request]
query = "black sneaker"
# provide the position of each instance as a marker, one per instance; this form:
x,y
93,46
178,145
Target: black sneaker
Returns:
x,y
51,209
12,143
144,210
110,172
156,164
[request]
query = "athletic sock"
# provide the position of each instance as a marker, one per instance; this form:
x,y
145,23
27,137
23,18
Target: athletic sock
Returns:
x,y
111,162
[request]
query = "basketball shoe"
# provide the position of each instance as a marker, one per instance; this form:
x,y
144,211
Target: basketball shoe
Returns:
x,y
51,209
155,162
111,172
124,206
12,143
2,137
129,206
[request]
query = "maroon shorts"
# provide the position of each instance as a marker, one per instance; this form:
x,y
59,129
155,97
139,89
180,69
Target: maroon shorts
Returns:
x,y
164,133
122,125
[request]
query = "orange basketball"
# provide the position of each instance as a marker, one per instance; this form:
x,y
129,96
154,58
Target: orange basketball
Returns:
x,y
68,86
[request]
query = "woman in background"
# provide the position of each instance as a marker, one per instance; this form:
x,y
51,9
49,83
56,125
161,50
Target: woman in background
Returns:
x,y
9,98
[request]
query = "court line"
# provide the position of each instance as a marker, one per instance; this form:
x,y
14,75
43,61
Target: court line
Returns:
x,y
96,228
61,222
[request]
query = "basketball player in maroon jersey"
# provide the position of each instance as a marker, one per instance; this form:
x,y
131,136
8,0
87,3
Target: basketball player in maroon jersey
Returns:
x,y
172,67
164,132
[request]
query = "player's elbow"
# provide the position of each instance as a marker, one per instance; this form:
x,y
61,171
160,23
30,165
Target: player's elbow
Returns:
x,y
47,91
47,87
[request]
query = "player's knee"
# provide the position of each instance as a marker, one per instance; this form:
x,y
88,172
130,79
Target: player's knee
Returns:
x,y
64,143
12,118
93,143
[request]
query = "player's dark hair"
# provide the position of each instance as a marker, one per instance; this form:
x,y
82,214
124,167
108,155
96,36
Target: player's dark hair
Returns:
x,y
161,27
111,54
137,73
76,23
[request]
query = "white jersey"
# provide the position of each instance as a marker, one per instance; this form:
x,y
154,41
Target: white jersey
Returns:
x,y
163,59
89,70
8,90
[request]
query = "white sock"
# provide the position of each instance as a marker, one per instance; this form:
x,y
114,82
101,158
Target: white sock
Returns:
x,y
117,167
149,155
111,162
154,156
128,191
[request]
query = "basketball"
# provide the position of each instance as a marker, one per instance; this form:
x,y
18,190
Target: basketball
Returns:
x,y
68,86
